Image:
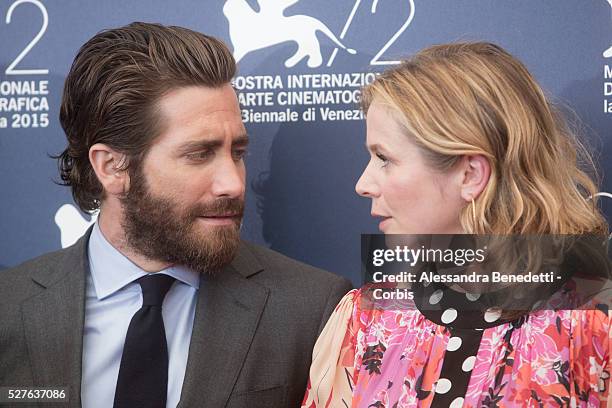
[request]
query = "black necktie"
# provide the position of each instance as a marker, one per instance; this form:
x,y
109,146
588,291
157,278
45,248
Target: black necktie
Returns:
x,y
143,373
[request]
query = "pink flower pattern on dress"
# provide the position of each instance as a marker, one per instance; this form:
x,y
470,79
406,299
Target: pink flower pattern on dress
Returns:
x,y
553,359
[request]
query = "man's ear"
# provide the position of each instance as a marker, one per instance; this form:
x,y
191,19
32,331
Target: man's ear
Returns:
x,y
476,173
108,165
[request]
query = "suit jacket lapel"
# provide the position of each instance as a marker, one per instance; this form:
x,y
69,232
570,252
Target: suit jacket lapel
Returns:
x,y
53,321
228,311
227,314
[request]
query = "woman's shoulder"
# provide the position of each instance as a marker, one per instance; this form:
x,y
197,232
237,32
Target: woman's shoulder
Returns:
x,y
591,295
340,320
351,297
580,311
594,314
359,309
580,292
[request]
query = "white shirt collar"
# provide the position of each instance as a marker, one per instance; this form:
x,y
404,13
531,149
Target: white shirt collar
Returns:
x,y
111,270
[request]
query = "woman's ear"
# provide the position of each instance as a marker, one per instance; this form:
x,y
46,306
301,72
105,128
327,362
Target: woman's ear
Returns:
x,y
476,173
108,165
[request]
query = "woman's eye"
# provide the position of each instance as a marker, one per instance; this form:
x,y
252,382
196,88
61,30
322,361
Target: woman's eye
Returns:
x,y
383,159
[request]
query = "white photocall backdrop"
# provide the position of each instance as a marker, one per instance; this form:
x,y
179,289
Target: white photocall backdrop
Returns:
x,y
301,65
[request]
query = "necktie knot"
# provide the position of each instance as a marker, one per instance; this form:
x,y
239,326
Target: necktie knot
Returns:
x,y
154,288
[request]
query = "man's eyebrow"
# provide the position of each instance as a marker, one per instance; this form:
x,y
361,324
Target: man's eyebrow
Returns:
x,y
195,145
199,145
242,140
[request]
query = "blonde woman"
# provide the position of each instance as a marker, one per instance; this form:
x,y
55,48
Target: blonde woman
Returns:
x,y
463,140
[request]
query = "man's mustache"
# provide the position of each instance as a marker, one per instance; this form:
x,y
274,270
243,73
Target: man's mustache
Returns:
x,y
222,207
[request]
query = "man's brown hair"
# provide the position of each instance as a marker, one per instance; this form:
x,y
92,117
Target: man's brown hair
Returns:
x,y
111,94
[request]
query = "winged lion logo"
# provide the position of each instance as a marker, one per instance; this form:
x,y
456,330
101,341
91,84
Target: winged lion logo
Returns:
x,y
251,30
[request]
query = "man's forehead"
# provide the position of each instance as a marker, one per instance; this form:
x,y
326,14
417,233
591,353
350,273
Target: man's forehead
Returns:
x,y
196,113
194,102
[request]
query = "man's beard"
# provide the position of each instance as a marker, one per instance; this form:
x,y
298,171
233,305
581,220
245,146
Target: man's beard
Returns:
x,y
162,229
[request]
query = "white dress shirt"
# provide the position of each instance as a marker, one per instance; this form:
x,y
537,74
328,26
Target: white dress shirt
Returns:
x,y
111,299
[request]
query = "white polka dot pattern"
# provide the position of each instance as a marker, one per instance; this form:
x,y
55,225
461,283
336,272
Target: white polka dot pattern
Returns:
x,y
449,315
468,364
436,297
492,314
472,296
457,403
443,386
453,343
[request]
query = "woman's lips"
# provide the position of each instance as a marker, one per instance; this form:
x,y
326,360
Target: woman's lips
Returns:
x,y
383,220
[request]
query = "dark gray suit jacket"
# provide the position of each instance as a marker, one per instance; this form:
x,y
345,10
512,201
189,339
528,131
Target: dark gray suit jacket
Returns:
x,y
255,327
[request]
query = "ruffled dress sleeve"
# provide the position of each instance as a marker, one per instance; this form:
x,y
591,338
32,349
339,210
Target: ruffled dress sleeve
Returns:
x,y
331,380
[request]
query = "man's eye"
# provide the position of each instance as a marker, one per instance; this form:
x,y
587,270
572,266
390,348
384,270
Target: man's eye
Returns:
x,y
239,154
203,155
383,159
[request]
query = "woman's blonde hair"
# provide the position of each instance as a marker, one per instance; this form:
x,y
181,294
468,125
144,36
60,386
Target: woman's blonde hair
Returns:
x,y
477,99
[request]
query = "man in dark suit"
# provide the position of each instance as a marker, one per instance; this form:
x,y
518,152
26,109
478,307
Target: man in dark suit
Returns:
x,y
160,304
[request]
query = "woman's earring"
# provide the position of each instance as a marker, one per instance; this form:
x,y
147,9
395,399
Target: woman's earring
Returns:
x,y
473,214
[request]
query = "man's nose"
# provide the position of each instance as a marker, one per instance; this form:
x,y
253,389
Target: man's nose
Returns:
x,y
229,179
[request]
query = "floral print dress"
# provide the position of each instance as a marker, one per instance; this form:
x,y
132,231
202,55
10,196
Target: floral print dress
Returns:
x,y
388,355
